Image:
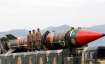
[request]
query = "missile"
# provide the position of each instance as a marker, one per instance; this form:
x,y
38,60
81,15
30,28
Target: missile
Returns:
x,y
72,38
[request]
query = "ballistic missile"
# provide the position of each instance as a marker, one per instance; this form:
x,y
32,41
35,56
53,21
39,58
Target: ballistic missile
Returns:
x,y
72,38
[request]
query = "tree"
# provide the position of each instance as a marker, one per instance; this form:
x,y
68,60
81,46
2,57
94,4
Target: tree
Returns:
x,y
4,39
11,37
4,42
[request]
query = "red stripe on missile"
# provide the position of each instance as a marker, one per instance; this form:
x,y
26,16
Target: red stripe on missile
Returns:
x,y
83,37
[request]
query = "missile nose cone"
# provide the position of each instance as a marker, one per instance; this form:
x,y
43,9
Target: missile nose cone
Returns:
x,y
83,37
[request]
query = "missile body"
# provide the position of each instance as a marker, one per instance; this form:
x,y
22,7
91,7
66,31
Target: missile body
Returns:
x,y
72,38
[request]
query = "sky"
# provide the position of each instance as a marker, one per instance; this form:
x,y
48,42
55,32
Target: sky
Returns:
x,y
29,14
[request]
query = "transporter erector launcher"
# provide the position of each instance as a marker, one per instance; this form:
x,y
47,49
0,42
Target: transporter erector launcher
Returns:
x,y
50,40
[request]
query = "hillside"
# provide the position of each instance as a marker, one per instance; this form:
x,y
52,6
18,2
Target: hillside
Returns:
x,y
18,32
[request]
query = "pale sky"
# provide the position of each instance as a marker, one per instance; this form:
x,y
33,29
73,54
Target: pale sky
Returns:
x,y
28,14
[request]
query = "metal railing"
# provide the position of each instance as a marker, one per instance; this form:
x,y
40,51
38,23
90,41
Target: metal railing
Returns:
x,y
42,57
38,57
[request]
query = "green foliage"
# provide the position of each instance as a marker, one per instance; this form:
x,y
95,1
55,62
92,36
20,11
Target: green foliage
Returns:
x,y
4,39
8,37
11,37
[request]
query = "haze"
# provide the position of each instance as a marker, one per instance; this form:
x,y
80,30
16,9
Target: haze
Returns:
x,y
29,14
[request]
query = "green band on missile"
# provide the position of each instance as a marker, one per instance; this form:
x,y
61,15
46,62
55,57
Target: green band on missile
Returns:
x,y
73,36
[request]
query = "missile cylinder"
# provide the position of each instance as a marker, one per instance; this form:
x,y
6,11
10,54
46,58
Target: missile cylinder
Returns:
x,y
72,38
